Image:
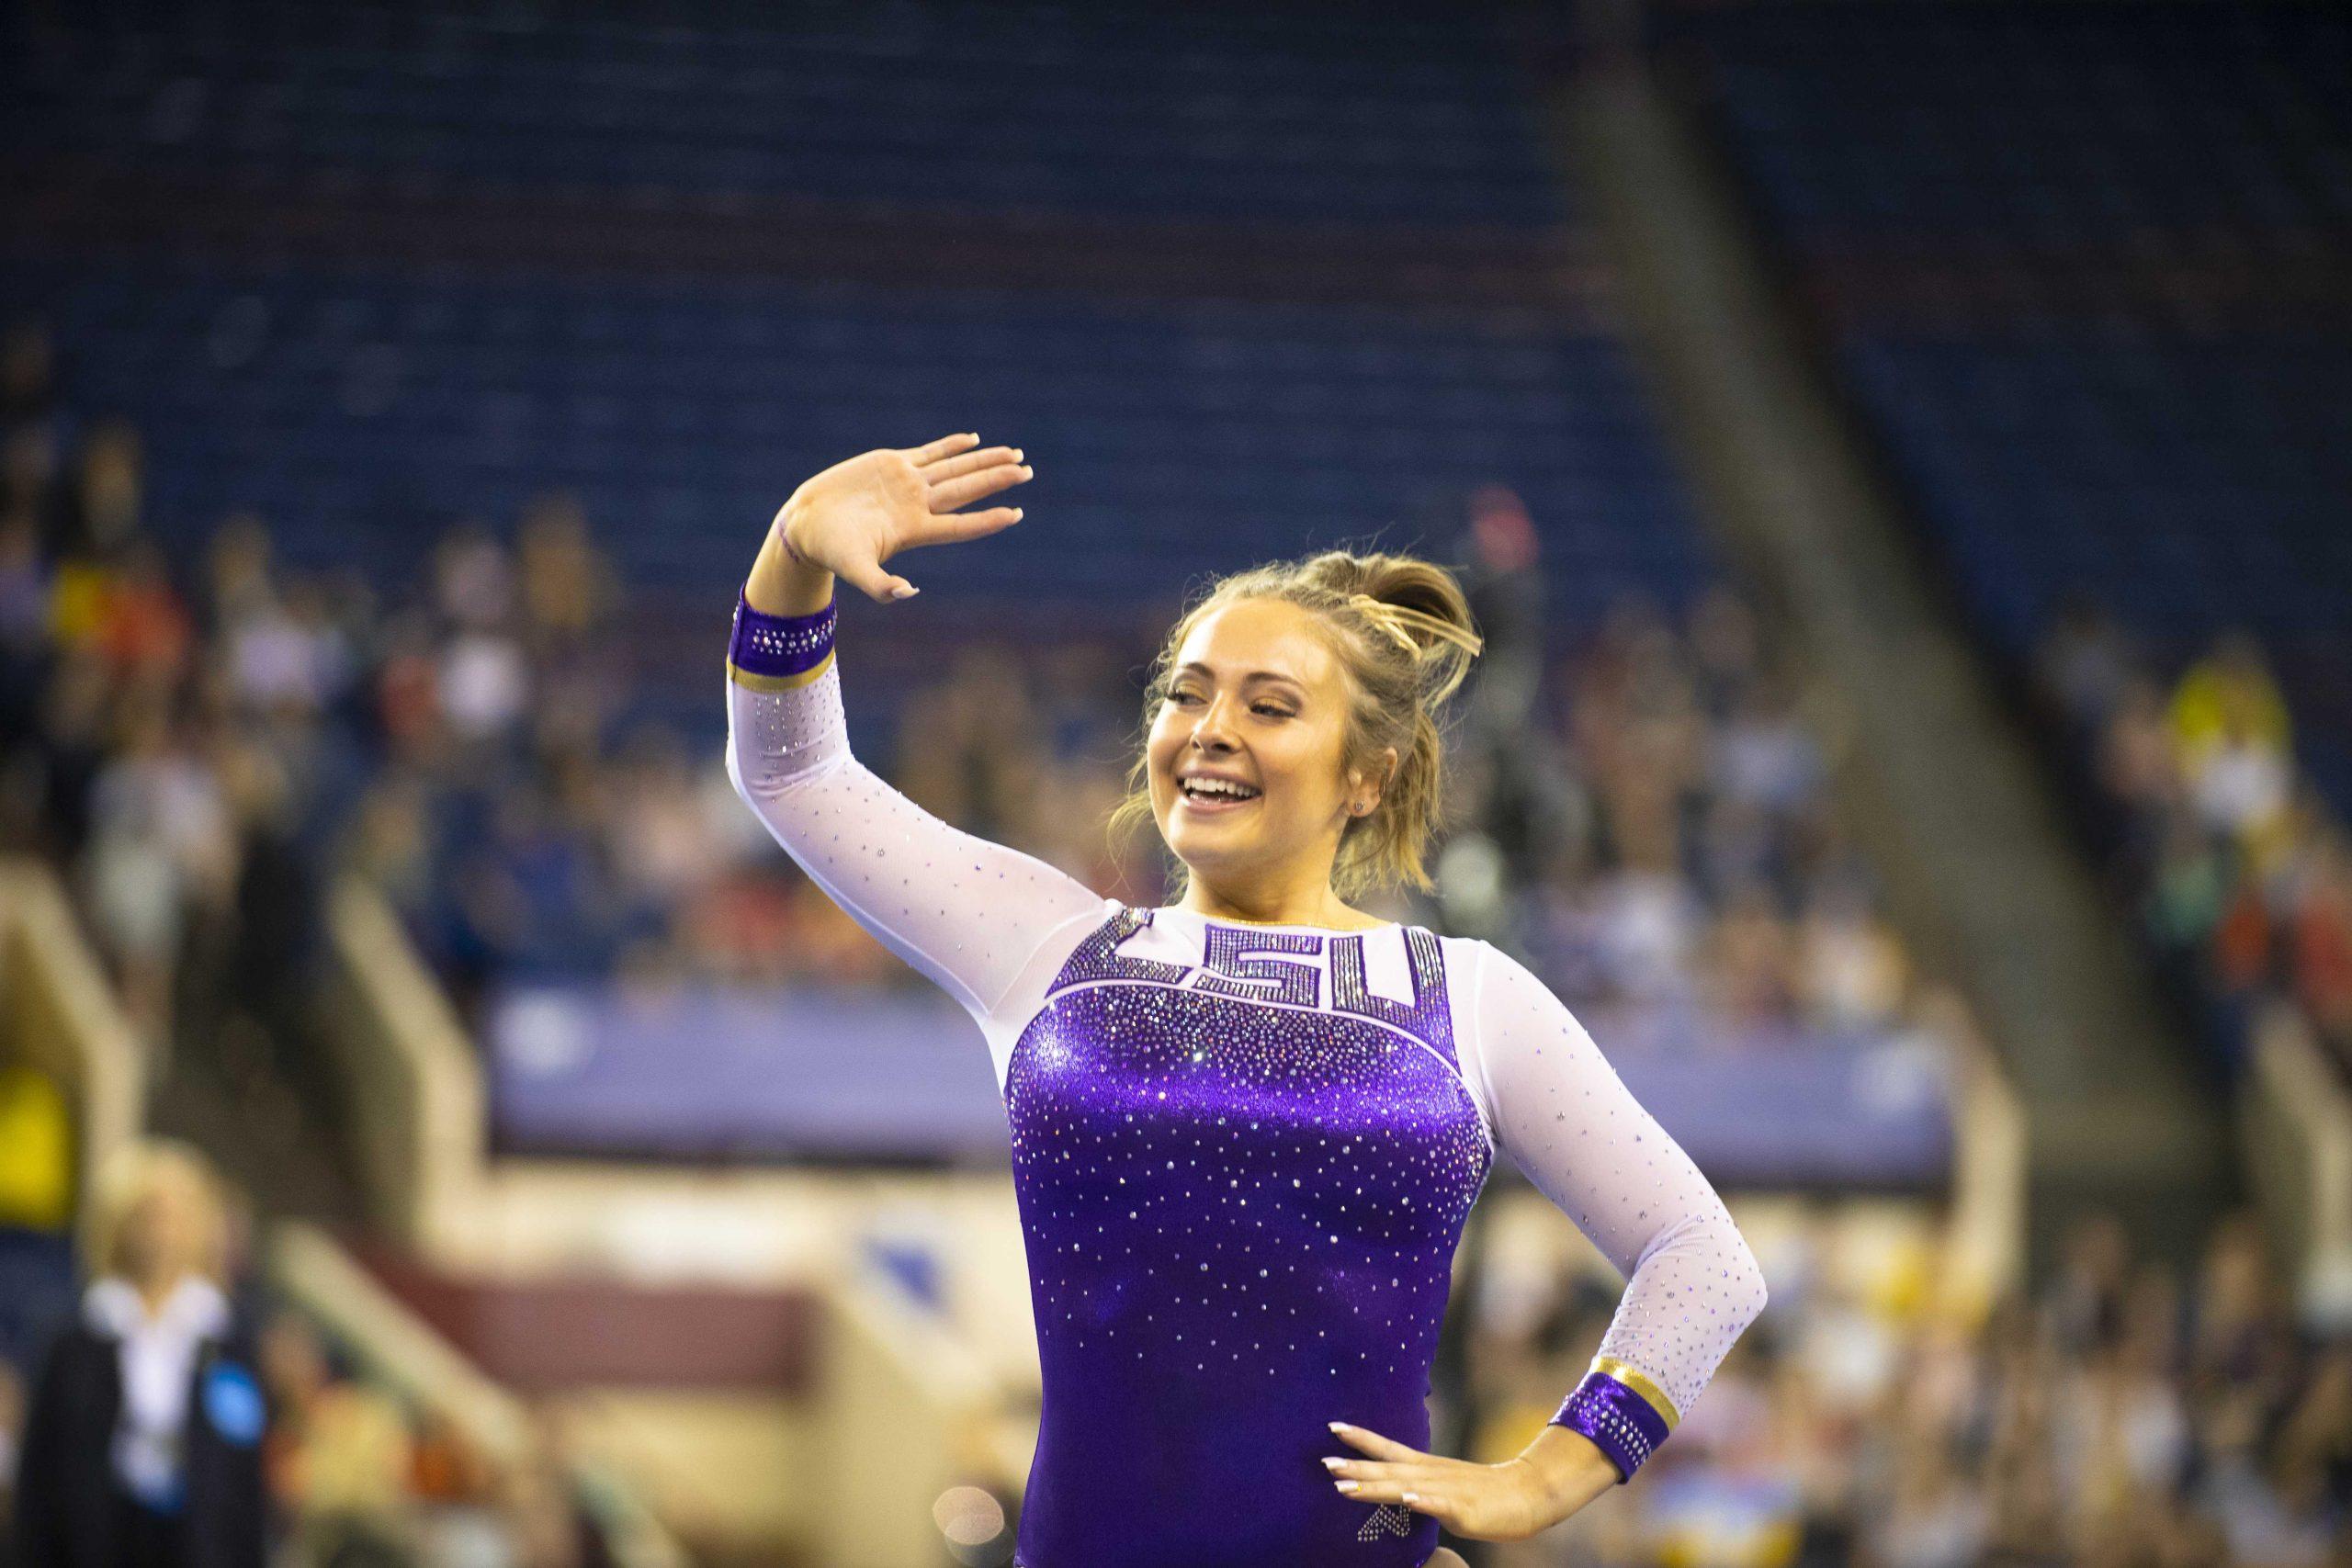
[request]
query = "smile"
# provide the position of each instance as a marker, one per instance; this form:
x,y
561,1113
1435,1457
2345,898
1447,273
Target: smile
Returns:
x,y
1214,797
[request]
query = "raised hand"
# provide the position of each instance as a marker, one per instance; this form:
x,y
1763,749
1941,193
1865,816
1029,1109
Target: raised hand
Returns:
x,y
855,515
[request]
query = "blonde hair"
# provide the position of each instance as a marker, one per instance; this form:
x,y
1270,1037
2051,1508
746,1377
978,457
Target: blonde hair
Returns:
x,y
1401,629
128,1175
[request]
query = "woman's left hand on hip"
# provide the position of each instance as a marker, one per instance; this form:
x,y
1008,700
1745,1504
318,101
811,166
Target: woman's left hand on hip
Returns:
x,y
1477,1501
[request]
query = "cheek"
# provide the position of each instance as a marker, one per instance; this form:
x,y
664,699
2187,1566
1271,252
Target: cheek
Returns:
x,y
1160,751
1303,767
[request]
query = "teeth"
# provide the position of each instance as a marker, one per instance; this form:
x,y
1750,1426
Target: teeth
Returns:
x,y
1220,788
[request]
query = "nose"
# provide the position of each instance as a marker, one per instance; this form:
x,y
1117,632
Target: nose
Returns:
x,y
1213,732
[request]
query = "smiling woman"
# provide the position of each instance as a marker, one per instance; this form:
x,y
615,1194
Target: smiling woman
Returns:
x,y
1294,757
1247,1127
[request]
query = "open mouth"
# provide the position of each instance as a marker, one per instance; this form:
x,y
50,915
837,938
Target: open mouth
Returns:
x,y
1214,795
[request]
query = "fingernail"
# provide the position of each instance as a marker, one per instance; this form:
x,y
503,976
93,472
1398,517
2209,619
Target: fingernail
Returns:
x,y
1018,454
1412,1497
1341,1427
907,592
1018,514
1331,1463
1347,1485
1028,473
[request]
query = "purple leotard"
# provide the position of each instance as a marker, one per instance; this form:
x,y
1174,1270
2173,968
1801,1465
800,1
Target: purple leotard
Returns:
x,y
1243,1155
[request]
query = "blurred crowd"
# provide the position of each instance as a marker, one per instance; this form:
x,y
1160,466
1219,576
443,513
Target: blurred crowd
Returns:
x,y
159,740
2241,874
2126,1417
202,740
1646,817
346,1471
1641,810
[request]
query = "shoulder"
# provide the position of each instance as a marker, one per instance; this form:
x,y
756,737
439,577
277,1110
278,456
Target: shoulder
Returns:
x,y
73,1352
1468,960
1490,962
1501,1002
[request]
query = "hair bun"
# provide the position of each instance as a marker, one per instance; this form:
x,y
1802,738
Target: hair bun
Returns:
x,y
1394,618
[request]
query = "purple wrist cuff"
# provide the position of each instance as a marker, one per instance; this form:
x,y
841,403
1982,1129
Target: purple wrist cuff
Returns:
x,y
778,653
1623,1425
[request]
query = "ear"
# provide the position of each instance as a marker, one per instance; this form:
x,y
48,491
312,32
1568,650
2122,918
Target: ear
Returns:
x,y
1387,771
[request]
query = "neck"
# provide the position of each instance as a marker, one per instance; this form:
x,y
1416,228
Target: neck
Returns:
x,y
1315,904
156,1289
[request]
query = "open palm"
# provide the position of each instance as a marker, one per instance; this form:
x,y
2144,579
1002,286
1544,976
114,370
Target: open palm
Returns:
x,y
855,515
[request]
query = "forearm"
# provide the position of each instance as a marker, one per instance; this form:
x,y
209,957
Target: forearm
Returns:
x,y
781,582
983,910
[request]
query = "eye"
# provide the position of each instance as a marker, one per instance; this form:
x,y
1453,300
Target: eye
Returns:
x,y
1184,696
1272,710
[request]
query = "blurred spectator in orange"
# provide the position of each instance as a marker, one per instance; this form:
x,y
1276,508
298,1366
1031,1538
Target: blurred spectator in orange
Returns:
x,y
340,1457
567,585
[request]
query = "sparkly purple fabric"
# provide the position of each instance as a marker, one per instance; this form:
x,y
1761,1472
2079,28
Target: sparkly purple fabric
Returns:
x,y
1242,1211
1625,1425
762,644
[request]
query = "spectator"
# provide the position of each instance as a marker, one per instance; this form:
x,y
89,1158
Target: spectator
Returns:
x,y
2241,878
161,847
143,1446
36,1151
339,1453
568,586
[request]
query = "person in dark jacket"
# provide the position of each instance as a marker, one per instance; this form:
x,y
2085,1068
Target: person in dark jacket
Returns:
x,y
143,1443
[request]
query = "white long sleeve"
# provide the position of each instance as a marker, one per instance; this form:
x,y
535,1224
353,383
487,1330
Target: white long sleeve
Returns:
x,y
1567,1121
967,914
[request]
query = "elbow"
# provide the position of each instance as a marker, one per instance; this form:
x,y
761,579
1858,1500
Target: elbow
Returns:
x,y
758,780
764,782
743,791
1715,1237
758,789
735,775
1750,1288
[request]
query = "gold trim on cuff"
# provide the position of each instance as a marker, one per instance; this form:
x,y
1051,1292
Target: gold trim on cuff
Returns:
x,y
744,678
1610,1367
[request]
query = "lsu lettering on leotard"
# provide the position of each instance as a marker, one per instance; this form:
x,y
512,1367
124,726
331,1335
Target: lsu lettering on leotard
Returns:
x,y
1243,1155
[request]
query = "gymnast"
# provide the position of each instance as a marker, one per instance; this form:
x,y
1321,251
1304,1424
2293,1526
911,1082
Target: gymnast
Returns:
x,y
1247,1127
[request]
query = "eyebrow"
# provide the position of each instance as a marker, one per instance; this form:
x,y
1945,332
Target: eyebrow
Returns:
x,y
1253,675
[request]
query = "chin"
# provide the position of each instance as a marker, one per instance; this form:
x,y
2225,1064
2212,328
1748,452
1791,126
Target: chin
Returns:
x,y
1206,847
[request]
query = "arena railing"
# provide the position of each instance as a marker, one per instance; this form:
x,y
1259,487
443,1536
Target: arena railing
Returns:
x,y
393,1347
405,1063
58,1016
2296,1117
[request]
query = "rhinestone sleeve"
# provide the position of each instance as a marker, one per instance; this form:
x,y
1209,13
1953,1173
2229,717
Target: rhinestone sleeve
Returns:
x,y
967,914
1568,1122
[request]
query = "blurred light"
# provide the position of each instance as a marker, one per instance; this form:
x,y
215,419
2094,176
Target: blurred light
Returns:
x,y
968,1516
